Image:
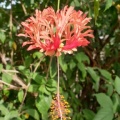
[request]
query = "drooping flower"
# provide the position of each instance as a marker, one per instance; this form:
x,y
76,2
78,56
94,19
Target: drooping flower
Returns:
x,y
56,32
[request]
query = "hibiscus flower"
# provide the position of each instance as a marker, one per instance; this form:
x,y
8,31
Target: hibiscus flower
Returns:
x,y
57,32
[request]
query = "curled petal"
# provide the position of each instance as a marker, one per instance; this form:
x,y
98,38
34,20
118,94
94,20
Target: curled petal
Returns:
x,y
56,32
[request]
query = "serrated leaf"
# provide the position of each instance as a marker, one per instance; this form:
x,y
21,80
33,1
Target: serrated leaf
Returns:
x,y
33,113
108,4
117,84
20,95
104,114
104,100
43,105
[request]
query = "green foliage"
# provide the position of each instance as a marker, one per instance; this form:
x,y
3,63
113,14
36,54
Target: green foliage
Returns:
x,y
89,78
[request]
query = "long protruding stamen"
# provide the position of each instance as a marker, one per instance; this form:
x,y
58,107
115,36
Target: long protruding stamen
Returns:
x,y
58,92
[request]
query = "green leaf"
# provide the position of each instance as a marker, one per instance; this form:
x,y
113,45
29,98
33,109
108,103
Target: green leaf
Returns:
x,y
88,114
33,88
110,89
51,83
96,9
39,79
33,113
63,64
75,3
81,67
20,95
10,115
104,100
53,68
1,118
28,61
82,57
21,68
6,78
117,84
3,109
106,74
1,67
43,104
95,77
104,114
108,4
72,64
37,55
43,89
2,37
116,102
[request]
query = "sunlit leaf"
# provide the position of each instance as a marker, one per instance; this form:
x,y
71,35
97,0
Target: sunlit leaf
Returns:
x,y
43,105
108,4
20,95
104,100
104,114
117,84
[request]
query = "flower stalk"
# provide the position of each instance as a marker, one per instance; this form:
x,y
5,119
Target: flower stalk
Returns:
x,y
58,5
58,90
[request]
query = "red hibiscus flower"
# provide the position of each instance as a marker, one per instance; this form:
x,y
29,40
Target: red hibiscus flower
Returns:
x,y
56,32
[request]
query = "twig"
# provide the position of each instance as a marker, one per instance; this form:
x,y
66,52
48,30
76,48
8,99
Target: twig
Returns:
x,y
25,94
24,9
19,81
16,79
11,71
39,63
11,86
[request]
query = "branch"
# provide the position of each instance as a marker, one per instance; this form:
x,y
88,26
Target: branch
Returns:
x,y
10,86
23,7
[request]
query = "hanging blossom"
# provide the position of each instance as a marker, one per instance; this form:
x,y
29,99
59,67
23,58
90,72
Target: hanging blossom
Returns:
x,y
57,32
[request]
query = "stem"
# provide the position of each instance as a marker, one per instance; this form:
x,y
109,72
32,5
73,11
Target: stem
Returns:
x,y
58,5
39,63
58,92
